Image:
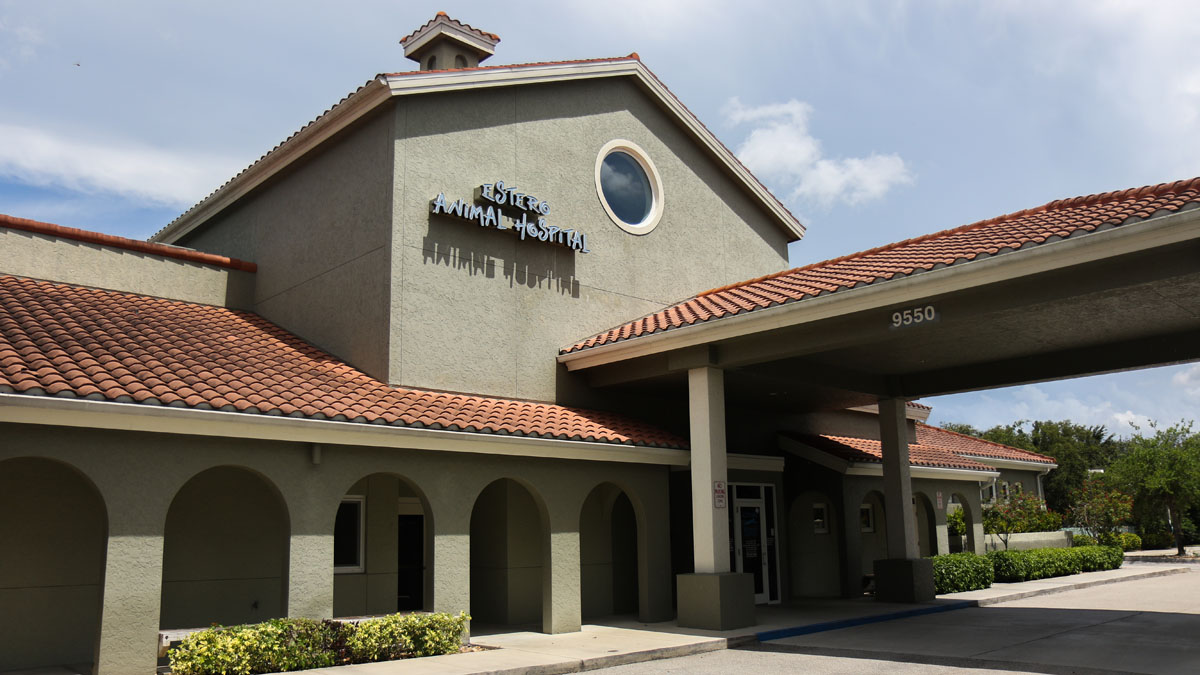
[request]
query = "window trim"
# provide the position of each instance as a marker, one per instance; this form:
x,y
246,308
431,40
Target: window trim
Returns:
x,y
361,567
870,524
656,187
824,527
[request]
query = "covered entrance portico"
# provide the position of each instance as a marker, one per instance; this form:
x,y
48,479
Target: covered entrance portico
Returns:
x,y
1031,303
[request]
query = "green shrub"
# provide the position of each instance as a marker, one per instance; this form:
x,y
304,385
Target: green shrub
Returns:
x,y
283,645
956,523
1157,540
1082,540
1010,566
1130,542
959,572
1109,539
1042,563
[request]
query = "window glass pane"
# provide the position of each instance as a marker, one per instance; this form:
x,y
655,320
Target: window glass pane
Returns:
x,y
626,187
819,519
748,492
346,535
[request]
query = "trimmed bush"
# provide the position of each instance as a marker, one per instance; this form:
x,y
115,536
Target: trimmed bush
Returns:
x,y
1042,563
1082,540
959,572
284,645
1010,566
1130,542
1157,540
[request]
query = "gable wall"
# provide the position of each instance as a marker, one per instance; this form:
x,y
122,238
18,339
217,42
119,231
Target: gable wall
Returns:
x,y
477,309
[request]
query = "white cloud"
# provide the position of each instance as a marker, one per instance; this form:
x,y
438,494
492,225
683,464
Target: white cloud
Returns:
x,y
781,149
38,157
17,41
1189,381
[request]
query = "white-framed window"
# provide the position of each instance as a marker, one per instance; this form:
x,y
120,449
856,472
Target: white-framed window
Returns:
x,y
987,494
866,517
629,187
820,518
349,535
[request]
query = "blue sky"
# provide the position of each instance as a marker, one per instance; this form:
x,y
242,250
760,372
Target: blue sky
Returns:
x,y
873,121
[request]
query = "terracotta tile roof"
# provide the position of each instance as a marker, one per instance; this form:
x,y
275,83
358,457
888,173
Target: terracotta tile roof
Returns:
x,y
464,26
1051,222
164,250
870,451
978,447
70,341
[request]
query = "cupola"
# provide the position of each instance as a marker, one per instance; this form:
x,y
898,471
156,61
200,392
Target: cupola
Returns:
x,y
444,43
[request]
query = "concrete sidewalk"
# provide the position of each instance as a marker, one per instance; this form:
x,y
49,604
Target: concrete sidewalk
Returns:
x,y
624,642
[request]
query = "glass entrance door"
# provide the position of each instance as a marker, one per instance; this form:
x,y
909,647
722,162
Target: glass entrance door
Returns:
x,y
752,539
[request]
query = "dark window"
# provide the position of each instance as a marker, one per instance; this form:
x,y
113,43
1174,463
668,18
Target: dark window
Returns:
x,y
347,535
626,188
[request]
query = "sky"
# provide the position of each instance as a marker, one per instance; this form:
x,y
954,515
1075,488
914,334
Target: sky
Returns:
x,y
872,121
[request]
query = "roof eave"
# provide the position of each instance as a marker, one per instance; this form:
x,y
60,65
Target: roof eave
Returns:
x,y
384,87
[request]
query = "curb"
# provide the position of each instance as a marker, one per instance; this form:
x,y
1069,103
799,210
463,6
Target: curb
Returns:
x,y
598,662
1019,595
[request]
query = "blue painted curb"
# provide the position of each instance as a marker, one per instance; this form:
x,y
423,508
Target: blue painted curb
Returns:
x,y
860,621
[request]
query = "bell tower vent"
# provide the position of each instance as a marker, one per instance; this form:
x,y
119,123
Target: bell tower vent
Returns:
x,y
446,44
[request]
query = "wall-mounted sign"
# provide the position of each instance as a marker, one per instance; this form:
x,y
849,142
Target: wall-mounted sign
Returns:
x,y
719,494
493,206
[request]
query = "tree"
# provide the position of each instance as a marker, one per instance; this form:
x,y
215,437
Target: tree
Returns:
x,y
1163,471
1019,512
1099,510
1075,448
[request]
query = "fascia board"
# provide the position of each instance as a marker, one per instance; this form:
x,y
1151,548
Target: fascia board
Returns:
x,y
317,132
1000,463
930,472
81,413
1160,231
455,33
743,462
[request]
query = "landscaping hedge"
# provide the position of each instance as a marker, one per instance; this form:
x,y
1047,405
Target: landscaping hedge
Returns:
x,y
1130,541
284,645
1040,563
959,572
1082,540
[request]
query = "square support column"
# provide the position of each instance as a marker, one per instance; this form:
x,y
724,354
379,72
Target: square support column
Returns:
x,y
904,576
713,597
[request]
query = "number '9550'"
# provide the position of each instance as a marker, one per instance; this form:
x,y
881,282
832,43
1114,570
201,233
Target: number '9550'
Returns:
x,y
913,316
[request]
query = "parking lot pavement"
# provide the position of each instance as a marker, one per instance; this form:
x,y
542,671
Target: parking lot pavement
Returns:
x,y
1144,626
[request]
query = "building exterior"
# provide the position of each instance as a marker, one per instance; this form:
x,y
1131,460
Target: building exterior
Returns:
x,y
357,379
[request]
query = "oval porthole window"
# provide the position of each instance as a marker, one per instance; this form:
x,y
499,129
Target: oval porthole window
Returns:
x,y
629,187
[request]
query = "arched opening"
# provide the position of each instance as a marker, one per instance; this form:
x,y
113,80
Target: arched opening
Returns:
x,y
382,542
872,526
966,540
431,64
460,61
509,548
608,553
53,538
925,525
815,527
225,551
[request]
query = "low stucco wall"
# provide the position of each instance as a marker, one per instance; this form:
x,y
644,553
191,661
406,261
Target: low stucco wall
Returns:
x,y
1029,540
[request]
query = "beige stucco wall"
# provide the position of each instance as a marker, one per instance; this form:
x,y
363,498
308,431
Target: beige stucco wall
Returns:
x,y
320,235
140,475
52,537
225,552
39,256
477,309
814,560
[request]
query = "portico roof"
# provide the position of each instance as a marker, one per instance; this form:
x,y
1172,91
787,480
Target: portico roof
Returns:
x,y
1075,287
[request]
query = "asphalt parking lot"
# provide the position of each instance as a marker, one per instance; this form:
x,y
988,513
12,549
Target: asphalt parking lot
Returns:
x,y
1144,626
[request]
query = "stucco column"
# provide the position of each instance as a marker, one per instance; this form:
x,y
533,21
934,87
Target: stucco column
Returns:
x,y
897,482
310,550
852,537
941,536
904,576
654,564
133,571
710,524
561,606
712,597
451,553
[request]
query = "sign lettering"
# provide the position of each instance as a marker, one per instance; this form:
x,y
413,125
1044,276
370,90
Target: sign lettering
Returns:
x,y
530,222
